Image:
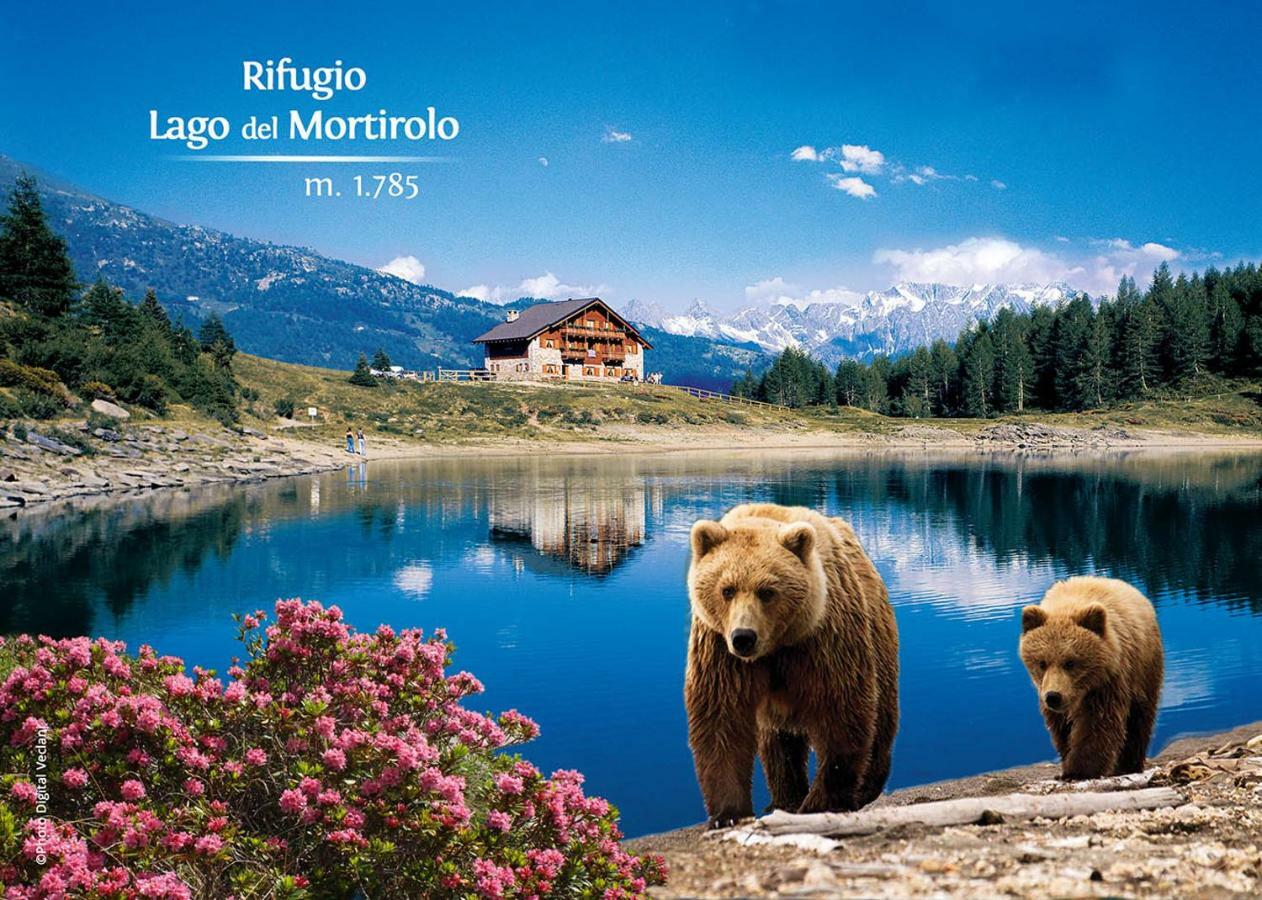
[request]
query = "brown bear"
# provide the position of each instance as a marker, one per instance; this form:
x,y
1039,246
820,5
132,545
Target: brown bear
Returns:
x,y
1093,649
793,647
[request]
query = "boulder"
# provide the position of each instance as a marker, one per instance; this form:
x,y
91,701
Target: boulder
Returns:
x,y
113,410
50,444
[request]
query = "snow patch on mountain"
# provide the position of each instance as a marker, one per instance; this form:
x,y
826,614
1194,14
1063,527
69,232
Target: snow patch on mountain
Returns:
x,y
893,321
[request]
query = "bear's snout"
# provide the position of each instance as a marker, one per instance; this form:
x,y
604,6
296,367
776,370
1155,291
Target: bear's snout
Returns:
x,y
744,641
1055,700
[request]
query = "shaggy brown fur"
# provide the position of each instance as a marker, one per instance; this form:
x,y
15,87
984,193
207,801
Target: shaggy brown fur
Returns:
x,y
1093,650
793,647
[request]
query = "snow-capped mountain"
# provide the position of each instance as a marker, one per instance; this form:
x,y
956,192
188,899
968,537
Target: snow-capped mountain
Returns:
x,y
893,321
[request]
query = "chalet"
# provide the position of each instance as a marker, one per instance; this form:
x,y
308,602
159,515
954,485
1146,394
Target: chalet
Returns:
x,y
574,340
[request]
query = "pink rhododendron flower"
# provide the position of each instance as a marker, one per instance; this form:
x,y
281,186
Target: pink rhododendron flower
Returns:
x,y
256,757
342,742
132,789
24,792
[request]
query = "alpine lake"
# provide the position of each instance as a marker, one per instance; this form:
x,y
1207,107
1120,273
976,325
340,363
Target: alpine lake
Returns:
x,y
561,582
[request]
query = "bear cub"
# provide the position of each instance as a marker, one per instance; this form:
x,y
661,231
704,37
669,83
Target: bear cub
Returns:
x,y
793,646
1093,649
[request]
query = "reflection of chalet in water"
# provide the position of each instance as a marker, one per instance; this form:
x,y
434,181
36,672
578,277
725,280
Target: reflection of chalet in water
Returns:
x,y
589,529
573,340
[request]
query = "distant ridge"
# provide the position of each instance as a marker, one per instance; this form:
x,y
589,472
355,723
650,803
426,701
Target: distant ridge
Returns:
x,y
296,305
894,321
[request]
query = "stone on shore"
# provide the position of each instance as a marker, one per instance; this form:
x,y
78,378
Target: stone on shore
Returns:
x,y
113,410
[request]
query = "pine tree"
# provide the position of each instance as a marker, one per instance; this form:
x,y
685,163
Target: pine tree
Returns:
x,y
876,384
918,395
153,312
1188,335
1225,329
850,382
977,365
1093,376
1140,324
1041,340
362,375
945,369
381,360
34,268
1013,362
1073,331
215,340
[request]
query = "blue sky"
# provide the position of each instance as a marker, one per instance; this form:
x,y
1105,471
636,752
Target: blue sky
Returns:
x,y
986,141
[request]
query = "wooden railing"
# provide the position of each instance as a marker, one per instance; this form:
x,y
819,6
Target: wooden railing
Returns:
x,y
465,375
703,394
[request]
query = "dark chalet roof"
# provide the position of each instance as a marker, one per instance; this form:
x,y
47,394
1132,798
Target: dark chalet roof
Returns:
x,y
534,319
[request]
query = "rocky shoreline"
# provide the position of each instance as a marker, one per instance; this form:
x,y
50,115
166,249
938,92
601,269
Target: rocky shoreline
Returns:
x,y
108,453
41,465
1206,842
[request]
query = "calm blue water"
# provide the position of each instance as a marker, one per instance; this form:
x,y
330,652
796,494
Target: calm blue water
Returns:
x,y
561,582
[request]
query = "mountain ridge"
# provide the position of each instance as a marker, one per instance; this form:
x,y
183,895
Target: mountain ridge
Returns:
x,y
894,321
294,304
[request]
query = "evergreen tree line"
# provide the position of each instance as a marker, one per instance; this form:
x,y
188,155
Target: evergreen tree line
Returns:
x,y
95,342
1178,333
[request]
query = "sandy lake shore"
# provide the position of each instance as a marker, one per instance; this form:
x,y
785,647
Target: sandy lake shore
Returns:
x,y
43,466
1205,843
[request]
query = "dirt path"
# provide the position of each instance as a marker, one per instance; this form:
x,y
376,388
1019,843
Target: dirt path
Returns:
x,y
1210,845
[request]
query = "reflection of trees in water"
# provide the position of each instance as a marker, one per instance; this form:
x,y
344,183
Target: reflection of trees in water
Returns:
x,y
1177,524
54,573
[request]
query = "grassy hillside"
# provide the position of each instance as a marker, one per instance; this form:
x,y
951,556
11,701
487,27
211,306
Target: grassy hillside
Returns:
x,y
452,413
455,413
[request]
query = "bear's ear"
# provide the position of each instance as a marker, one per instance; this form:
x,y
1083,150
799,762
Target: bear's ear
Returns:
x,y
1092,618
798,538
706,535
1032,617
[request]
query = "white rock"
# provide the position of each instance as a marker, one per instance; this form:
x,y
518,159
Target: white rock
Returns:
x,y
113,410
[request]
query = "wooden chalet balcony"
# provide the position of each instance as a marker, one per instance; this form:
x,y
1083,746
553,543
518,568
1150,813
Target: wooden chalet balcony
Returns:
x,y
600,359
611,334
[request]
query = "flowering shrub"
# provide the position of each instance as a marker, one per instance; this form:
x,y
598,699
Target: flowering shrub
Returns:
x,y
332,764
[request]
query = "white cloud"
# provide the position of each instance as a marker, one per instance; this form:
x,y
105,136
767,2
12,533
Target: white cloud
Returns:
x,y
409,268
769,289
546,287
861,158
976,261
998,185
1121,257
478,292
543,161
980,260
854,186
780,292
614,136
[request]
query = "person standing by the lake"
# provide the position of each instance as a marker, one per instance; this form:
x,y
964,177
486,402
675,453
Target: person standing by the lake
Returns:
x,y
363,449
350,440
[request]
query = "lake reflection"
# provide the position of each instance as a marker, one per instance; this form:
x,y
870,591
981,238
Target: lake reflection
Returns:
x,y
561,582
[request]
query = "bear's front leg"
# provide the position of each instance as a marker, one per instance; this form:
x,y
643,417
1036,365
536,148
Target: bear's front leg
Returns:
x,y
838,773
785,756
1096,736
722,735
